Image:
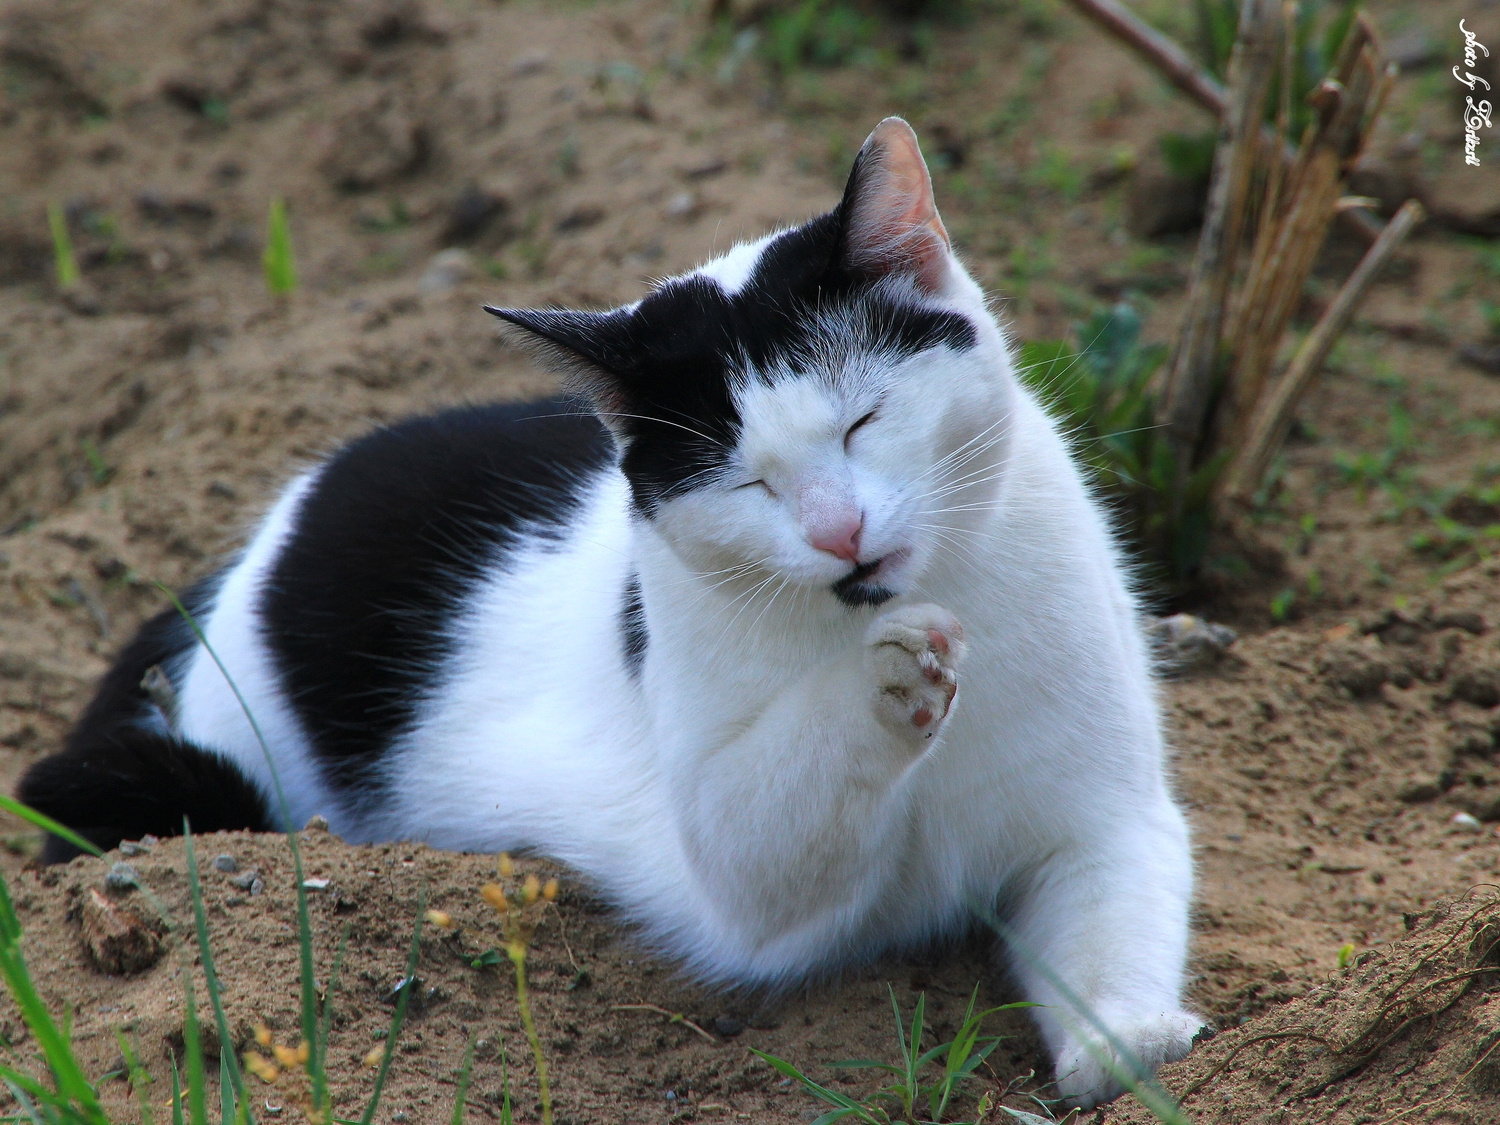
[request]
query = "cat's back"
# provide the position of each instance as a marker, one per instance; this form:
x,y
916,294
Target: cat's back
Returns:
x,y
357,598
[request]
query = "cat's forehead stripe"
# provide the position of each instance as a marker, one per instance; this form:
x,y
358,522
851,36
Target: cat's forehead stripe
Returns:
x,y
733,270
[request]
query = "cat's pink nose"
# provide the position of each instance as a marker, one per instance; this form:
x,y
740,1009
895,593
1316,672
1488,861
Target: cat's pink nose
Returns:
x,y
841,541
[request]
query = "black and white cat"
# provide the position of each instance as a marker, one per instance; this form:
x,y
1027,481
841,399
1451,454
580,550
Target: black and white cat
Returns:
x,y
797,633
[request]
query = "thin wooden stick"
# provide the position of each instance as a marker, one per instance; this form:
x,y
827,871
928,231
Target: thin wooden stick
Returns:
x,y
1178,68
673,1017
1160,51
1274,417
1194,371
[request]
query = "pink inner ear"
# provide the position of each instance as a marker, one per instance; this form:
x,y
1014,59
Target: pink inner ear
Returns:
x,y
893,224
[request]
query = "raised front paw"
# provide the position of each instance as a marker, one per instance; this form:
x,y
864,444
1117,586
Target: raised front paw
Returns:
x,y
1092,1072
914,651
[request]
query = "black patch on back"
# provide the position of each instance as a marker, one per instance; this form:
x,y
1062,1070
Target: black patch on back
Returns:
x,y
119,778
633,634
671,359
395,534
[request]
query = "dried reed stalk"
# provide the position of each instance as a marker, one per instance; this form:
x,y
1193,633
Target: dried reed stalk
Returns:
x,y
1295,224
1293,227
1194,372
1273,416
1177,68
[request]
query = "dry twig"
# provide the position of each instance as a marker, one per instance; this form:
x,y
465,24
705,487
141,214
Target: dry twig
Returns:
x,y
1195,363
674,1017
1273,417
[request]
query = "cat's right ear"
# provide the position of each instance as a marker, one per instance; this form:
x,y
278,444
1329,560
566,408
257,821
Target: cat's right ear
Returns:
x,y
888,218
589,349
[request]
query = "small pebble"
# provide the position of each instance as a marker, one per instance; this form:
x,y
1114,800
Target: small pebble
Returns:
x,y
682,205
130,847
257,886
226,863
727,1027
399,1117
234,900
315,884
318,823
122,877
248,880
447,269
1466,823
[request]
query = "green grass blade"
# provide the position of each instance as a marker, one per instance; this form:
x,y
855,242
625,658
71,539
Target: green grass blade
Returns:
x,y
280,266
505,1113
192,1044
176,1094
227,1108
47,824
210,974
140,1081
400,1016
72,1085
463,1085
25,1102
333,986
316,1067
62,247
840,1101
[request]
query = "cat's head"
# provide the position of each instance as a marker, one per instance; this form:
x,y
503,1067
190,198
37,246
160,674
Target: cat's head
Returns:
x,y
826,405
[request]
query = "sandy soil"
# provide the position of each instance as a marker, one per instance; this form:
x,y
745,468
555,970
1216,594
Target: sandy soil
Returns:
x,y
575,151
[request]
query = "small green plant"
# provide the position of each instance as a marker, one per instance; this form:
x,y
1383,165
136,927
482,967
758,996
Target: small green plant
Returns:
x,y
280,266
912,1088
99,469
62,247
815,33
1100,389
1281,605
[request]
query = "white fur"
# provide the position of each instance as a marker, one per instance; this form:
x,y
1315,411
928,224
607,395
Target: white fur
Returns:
x,y
754,801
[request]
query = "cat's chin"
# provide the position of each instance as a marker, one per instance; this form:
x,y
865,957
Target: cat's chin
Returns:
x,y
867,583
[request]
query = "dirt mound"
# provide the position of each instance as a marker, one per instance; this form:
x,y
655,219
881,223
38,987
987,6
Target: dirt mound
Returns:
x,y
626,1039
1408,1032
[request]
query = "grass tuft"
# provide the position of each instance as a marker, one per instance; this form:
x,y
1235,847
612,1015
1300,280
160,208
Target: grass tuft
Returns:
x,y
280,266
62,247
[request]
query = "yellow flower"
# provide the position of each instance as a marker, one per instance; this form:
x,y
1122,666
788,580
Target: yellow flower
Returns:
x,y
261,1067
532,888
549,892
263,1035
507,865
376,1053
441,919
286,1056
492,894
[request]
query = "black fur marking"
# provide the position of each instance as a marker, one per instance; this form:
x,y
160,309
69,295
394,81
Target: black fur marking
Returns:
x,y
665,369
853,590
394,535
119,779
633,633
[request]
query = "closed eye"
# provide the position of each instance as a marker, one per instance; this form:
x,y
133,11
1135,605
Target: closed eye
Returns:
x,y
849,433
757,484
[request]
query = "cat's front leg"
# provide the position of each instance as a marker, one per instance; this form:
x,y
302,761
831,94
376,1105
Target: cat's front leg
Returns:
x,y
912,653
1100,942
811,787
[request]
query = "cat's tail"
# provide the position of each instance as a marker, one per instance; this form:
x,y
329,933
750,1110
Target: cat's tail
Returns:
x,y
123,774
125,783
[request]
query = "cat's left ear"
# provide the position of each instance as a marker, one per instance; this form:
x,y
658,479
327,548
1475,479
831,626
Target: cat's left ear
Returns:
x,y
889,219
590,349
